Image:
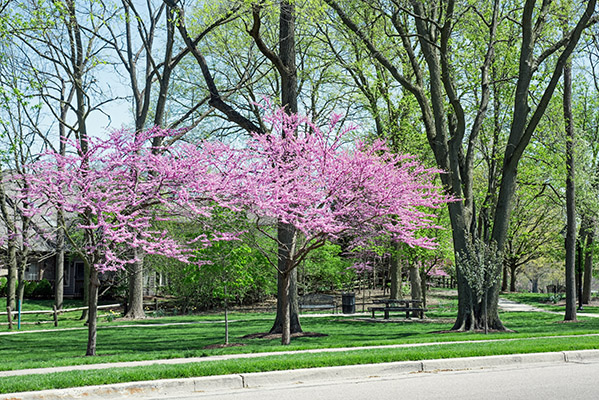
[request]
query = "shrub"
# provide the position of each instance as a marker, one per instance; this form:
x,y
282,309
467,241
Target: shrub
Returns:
x,y
29,289
325,270
3,285
43,289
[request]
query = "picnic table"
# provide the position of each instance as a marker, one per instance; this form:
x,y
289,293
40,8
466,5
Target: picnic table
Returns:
x,y
403,305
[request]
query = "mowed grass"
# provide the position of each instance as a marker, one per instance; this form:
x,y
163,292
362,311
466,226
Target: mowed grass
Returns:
x,y
187,336
285,362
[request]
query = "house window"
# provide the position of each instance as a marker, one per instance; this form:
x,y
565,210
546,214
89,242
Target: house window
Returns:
x,y
32,272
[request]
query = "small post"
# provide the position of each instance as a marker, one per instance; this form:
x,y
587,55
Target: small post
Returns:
x,y
155,303
19,316
9,313
55,315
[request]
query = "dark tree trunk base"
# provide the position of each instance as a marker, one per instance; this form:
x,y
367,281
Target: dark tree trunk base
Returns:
x,y
295,326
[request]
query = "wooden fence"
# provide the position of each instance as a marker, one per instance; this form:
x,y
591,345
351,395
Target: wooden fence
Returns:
x,y
11,314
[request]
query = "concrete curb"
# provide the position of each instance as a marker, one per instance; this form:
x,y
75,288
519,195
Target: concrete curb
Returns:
x,y
189,386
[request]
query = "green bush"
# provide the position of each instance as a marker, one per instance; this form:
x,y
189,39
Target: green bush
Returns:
x,y
43,290
325,270
29,289
3,285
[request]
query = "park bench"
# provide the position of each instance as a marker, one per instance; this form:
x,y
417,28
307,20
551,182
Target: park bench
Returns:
x,y
317,301
407,306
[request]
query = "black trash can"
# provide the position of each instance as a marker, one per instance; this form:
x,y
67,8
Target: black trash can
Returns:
x,y
348,303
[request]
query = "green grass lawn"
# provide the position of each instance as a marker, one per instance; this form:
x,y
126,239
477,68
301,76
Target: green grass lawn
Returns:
x,y
146,341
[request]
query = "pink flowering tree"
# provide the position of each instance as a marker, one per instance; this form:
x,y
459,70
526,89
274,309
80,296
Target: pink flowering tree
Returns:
x,y
310,179
327,187
113,191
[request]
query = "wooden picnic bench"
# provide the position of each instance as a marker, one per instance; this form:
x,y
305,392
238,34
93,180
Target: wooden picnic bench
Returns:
x,y
317,301
402,305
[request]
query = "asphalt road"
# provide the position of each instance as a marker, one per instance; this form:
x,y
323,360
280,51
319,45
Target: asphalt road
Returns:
x,y
571,381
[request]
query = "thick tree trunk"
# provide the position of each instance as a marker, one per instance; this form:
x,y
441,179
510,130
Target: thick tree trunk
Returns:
x,y
570,314
287,291
415,285
395,272
287,301
465,319
416,289
135,309
92,329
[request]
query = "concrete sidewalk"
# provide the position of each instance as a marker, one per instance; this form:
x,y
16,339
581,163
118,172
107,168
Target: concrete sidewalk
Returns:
x,y
512,306
187,387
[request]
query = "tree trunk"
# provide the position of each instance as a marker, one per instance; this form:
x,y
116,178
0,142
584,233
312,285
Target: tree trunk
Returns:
x,y
424,281
570,314
396,292
86,285
59,267
416,286
135,302
287,285
11,284
292,300
287,301
504,278
535,285
286,328
21,282
92,329
588,264
513,268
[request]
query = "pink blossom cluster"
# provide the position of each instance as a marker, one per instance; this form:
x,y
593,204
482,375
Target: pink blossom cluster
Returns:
x,y
298,174
114,191
305,176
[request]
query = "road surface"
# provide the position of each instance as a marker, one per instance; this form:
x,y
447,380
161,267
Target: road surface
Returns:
x,y
572,381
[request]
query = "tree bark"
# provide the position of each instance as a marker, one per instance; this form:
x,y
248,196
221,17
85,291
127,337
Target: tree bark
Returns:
x,y
86,286
415,285
286,328
504,278
287,301
59,267
92,328
513,267
285,63
11,284
396,282
570,314
588,264
135,309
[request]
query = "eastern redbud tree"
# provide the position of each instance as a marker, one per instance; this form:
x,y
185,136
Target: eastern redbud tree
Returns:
x,y
327,186
113,192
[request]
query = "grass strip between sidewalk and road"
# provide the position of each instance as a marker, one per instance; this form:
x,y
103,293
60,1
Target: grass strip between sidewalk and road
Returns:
x,y
68,379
